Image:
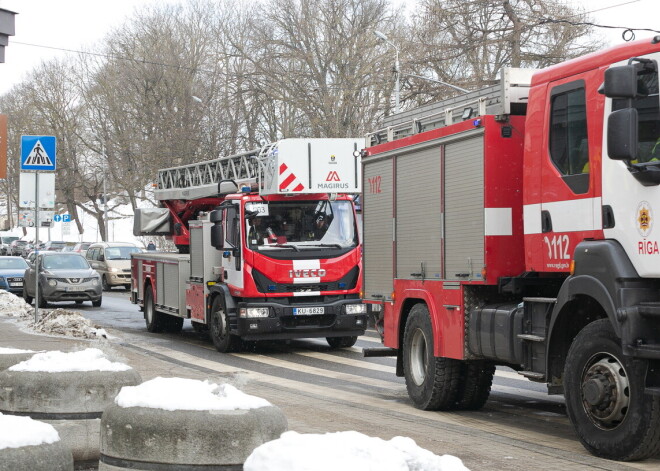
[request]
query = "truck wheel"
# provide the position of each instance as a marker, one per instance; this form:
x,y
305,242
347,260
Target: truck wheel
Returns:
x,y
341,342
605,397
152,317
432,382
474,385
219,328
172,324
26,297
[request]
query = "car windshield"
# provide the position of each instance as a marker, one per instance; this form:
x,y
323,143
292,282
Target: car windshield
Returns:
x,y
8,240
120,253
300,224
64,262
12,263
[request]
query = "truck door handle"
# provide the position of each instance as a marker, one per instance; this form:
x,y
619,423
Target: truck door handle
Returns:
x,y
415,274
546,221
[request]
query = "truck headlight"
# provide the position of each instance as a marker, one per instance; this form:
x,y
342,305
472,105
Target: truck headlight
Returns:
x,y
356,308
251,312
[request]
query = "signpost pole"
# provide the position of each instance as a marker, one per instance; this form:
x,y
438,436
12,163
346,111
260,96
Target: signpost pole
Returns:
x,y
36,248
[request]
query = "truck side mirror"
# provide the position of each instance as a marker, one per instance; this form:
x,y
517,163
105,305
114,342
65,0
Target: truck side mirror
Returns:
x,y
622,134
217,235
621,82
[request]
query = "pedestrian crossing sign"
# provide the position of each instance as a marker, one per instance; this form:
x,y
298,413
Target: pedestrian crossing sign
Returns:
x,y
38,153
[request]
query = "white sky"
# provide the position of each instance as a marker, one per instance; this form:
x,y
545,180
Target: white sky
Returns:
x,y
72,24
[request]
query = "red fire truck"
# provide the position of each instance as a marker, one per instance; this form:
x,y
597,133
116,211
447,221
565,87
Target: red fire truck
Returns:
x,y
268,246
515,225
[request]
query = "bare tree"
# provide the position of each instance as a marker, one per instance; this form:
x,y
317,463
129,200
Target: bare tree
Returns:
x,y
468,42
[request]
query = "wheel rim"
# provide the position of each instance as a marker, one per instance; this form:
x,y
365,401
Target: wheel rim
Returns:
x,y
418,360
217,323
605,391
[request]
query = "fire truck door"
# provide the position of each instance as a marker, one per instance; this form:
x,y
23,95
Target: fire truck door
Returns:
x,y
232,259
570,212
378,227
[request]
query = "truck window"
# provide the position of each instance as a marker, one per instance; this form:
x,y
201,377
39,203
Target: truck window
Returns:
x,y
648,109
233,235
569,148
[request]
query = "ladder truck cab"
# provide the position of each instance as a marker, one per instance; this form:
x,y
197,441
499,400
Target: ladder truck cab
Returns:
x,y
269,246
533,245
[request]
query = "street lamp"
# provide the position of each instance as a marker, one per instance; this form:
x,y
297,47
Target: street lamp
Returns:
x,y
397,73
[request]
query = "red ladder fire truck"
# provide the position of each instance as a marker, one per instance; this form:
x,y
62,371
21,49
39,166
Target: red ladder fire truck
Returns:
x,y
269,246
515,226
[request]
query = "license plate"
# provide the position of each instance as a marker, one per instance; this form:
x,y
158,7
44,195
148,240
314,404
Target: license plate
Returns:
x,y
16,283
75,288
308,311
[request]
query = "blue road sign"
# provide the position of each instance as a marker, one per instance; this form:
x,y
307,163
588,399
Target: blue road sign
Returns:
x,y
57,218
66,218
38,153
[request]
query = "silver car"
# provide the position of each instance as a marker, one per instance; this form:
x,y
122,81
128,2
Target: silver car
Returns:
x,y
63,277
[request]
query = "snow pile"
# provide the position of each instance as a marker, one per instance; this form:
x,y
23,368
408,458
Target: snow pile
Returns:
x,y
347,451
91,359
13,351
66,322
176,393
16,432
13,306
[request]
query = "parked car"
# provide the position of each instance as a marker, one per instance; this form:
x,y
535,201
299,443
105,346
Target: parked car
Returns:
x,y
62,277
53,245
16,247
5,242
12,271
81,247
113,262
68,246
27,248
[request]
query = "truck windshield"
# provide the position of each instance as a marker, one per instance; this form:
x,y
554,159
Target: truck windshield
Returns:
x,y
648,109
273,225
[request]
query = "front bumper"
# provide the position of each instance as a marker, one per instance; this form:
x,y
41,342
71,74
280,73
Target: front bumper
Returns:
x,y
118,279
60,293
282,323
12,284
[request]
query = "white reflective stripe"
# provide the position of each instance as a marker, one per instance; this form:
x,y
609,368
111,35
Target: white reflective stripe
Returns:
x,y
567,216
498,222
315,279
308,293
532,219
306,264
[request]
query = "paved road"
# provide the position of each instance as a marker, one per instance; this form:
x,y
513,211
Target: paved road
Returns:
x,y
322,390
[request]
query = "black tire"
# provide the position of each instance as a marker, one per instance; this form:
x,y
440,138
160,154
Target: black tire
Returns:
x,y
432,382
43,303
605,397
219,328
98,303
104,283
341,342
474,385
172,323
26,297
152,317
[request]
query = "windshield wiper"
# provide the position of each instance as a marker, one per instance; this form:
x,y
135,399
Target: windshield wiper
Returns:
x,y
281,246
339,246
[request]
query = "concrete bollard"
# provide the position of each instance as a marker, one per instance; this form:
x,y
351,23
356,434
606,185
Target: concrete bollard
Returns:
x,y
29,445
11,356
72,401
153,434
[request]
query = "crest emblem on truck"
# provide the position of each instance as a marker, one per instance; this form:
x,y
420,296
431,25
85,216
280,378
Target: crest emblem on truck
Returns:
x,y
644,219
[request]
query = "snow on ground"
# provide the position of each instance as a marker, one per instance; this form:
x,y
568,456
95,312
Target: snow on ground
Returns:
x,y
175,393
14,306
67,322
16,432
54,322
348,451
13,351
90,359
